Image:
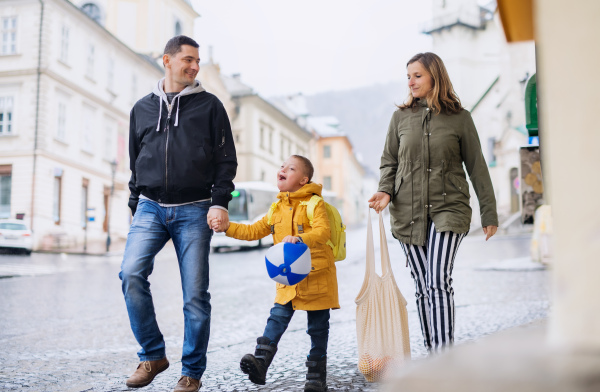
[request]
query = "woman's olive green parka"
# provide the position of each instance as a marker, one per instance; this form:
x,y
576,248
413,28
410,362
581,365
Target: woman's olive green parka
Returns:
x,y
422,170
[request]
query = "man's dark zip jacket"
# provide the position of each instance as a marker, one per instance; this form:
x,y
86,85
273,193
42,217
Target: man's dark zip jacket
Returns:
x,y
194,160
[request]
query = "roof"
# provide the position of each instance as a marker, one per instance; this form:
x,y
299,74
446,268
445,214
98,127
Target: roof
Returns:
x,y
326,126
152,61
294,103
235,87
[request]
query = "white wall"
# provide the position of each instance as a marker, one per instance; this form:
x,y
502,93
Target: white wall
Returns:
x,y
90,100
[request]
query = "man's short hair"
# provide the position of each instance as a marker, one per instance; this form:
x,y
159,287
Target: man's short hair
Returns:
x,y
309,169
174,45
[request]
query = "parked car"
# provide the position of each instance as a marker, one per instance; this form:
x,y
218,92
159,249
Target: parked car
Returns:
x,y
15,233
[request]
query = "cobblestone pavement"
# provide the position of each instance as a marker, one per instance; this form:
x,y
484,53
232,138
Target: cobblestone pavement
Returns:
x,y
64,326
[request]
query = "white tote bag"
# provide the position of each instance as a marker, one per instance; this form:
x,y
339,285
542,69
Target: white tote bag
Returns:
x,y
381,316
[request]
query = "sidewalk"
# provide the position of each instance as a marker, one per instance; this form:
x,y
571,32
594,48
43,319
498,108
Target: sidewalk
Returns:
x,y
94,248
518,359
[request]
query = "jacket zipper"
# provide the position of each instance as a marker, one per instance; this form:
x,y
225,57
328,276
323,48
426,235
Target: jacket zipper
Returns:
x,y
444,180
169,106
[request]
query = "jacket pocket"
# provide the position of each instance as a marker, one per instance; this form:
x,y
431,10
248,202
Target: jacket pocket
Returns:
x,y
461,185
317,282
397,186
277,228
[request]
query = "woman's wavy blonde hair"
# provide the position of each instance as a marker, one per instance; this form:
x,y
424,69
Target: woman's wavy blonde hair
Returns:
x,y
442,98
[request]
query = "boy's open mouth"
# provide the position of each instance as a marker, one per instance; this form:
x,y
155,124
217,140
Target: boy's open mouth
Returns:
x,y
281,177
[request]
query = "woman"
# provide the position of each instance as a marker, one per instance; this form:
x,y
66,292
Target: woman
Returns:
x,y
428,140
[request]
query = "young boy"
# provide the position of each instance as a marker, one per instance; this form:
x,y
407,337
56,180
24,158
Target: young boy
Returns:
x,y
317,293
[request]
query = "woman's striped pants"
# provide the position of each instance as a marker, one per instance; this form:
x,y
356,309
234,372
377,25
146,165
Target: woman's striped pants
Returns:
x,y
431,268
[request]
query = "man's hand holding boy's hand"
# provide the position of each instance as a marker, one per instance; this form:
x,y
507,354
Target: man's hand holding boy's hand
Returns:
x,y
218,225
218,219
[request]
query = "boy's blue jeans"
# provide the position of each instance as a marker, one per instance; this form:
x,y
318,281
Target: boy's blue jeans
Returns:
x,y
318,327
150,230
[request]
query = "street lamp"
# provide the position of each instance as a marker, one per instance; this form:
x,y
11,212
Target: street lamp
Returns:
x,y
113,168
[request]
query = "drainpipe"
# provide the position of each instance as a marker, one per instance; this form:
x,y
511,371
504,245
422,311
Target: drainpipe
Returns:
x,y
37,112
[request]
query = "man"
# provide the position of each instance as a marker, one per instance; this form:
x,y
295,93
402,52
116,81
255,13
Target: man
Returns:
x,y
182,161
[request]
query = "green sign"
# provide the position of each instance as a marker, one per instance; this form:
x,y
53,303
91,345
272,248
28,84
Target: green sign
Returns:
x,y
531,110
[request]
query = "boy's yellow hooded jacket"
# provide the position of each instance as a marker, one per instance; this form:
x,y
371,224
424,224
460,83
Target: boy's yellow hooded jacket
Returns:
x,y
319,289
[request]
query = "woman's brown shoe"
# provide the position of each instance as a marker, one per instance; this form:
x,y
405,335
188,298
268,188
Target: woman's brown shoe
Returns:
x,y
187,384
146,371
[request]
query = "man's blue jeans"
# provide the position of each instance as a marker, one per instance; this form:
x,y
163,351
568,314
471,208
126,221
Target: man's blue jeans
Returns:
x,y
150,230
318,327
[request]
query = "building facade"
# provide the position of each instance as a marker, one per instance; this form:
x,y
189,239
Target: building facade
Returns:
x,y
489,77
66,88
265,134
338,169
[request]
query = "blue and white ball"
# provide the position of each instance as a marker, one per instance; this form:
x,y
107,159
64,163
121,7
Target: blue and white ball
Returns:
x,y
288,263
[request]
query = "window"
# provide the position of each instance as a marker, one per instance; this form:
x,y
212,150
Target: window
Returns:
x,y
282,156
177,28
327,151
92,10
5,190
57,197
64,44
327,183
9,35
6,115
262,137
87,129
110,74
109,139
84,202
90,62
61,126
270,140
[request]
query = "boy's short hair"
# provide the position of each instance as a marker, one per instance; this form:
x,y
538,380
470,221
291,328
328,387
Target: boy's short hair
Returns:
x,y
174,45
309,169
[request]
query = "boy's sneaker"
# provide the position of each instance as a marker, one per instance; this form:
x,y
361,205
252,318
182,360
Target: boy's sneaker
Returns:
x,y
145,373
255,366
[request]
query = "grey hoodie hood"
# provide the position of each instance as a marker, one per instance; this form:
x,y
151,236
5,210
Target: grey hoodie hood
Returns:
x,y
159,91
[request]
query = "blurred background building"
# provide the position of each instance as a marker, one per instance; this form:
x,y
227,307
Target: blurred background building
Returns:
x,y
67,86
490,77
70,71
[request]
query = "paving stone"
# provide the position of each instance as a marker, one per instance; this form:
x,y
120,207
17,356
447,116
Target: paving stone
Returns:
x,y
69,331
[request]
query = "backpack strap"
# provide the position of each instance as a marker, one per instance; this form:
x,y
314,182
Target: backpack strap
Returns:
x,y
270,215
310,207
310,212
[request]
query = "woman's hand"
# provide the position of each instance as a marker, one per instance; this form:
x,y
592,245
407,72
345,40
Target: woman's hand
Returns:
x,y
379,201
489,231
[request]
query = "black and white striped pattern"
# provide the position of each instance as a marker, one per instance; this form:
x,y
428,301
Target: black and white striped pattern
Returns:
x,y
431,268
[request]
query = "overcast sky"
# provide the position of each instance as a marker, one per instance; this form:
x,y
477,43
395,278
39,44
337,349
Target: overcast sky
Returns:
x,y
309,46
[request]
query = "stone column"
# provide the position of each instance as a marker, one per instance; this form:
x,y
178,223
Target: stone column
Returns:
x,y
569,86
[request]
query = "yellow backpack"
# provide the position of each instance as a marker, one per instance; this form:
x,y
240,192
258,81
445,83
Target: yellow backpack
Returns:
x,y
338,229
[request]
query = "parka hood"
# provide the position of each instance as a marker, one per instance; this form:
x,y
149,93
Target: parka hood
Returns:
x,y
159,91
312,188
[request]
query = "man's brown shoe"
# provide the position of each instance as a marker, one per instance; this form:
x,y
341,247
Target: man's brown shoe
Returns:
x,y
146,371
187,384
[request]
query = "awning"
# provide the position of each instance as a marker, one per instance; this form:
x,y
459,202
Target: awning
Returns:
x,y
517,19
